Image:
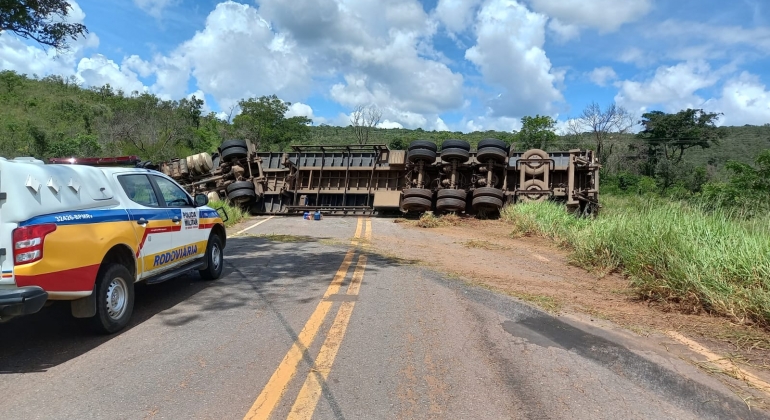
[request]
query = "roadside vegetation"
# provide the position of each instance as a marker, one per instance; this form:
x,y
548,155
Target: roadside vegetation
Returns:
x,y
700,259
235,214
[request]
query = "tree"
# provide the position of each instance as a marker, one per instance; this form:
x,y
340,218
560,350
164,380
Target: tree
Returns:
x,y
536,132
262,121
602,126
41,20
363,119
668,136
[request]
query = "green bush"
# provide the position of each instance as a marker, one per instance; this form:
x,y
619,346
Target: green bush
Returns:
x,y
234,213
671,251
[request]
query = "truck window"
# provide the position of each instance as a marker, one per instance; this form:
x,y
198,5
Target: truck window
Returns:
x,y
172,194
139,189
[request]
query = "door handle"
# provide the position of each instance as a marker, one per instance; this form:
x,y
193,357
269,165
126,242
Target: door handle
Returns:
x,y
175,219
142,221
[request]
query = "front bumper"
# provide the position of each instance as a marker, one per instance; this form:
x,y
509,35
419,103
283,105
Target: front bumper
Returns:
x,y
21,301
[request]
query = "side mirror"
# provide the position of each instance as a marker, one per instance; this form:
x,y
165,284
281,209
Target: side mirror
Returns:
x,y
201,200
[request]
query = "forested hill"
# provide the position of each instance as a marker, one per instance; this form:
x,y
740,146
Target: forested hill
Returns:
x,y
53,116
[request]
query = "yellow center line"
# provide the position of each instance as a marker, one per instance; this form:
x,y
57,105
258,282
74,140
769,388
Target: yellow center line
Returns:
x,y
311,391
251,227
271,394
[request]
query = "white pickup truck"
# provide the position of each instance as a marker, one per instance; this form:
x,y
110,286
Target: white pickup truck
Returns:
x,y
86,234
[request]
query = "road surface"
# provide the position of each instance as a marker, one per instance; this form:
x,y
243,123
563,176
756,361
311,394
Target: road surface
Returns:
x,y
312,323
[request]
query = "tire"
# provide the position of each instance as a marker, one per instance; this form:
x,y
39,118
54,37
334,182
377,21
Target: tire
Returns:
x,y
416,204
493,143
532,154
487,203
450,204
418,192
215,160
493,153
450,193
215,257
114,295
233,143
534,185
425,155
423,144
456,144
239,185
461,155
488,192
234,153
242,196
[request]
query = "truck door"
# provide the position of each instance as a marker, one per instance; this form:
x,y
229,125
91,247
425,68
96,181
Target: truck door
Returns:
x,y
188,241
152,222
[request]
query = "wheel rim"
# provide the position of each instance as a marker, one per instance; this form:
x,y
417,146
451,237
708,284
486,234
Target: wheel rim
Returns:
x,y
216,257
116,298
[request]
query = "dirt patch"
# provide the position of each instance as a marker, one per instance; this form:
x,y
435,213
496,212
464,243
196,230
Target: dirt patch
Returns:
x,y
537,271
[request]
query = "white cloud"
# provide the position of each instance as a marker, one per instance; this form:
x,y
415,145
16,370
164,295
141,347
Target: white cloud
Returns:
x,y
563,31
509,53
605,15
672,87
456,15
235,55
389,124
298,109
99,70
744,100
602,75
154,8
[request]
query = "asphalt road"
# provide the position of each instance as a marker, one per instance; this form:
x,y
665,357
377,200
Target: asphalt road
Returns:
x,y
320,326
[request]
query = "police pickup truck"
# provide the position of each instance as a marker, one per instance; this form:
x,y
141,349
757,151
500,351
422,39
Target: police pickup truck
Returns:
x,y
86,234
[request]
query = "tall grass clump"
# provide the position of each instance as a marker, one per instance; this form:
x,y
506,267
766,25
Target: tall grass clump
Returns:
x,y
234,213
672,251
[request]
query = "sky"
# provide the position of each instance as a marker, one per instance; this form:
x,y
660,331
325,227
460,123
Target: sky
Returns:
x,y
459,65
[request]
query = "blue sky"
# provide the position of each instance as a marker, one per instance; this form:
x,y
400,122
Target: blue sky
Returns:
x,y
437,64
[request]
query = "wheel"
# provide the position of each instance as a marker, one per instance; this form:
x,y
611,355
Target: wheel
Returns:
x,y
533,185
450,193
114,294
239,185
456,144
423,144
450,204
488,192
215,258
418,192
415,204
533,168
425,155
493,143
233,143
487,203
241,196
461,155
234,152
493,153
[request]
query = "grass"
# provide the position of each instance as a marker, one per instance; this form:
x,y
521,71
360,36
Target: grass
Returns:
x,y
483,245
429,220
277,237
671,251
234,213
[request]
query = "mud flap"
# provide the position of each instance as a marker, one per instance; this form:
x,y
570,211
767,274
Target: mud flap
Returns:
x,y
84,307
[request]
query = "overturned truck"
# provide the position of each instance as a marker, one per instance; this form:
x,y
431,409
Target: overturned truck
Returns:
x,y
373,179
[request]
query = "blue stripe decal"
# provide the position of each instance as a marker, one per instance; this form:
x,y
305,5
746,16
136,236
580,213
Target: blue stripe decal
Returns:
x,y
153,214
7,271
79,217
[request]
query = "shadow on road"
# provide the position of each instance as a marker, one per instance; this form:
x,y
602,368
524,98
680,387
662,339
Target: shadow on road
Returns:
x,y
273,274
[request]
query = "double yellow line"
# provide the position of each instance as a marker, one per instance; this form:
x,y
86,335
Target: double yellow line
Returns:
x,y
308,397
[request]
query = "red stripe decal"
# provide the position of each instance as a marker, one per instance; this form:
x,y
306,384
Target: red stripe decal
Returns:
x,y
74,280
163,229
206,225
